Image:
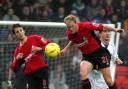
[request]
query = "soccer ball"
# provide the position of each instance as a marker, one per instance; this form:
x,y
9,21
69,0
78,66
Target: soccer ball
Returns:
x,y
52,50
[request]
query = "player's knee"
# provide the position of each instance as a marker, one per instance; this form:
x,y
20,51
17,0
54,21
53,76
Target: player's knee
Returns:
x,y
109,82
83,75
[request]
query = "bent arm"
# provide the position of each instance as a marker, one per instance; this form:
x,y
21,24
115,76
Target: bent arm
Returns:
x,y
67,48
107,27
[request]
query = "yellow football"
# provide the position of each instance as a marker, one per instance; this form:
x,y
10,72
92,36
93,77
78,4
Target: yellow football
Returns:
x,y
52,50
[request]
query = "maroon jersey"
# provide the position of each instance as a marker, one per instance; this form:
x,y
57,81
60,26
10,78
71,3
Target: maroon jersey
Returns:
x,y
36,61
85,38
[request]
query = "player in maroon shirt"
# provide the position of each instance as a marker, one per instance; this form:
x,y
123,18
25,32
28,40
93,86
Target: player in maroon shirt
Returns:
x,y
82,34
29,52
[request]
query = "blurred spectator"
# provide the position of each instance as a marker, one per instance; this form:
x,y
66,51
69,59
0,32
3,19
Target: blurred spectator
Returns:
x,y
26,14
59,16
108,7
30,2
46,14
80,7
43,2
51,4
36,11
18,6
45,17
122,10
102,18
93,10
2,11
61,3
6,4
58,78
47,8
115,18
10,15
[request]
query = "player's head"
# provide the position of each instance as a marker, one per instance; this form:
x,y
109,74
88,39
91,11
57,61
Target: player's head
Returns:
x,y
105,35
18,30
70,21
70,18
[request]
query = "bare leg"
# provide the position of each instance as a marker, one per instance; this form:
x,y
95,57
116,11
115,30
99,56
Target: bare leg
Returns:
x,y
85,69
107,77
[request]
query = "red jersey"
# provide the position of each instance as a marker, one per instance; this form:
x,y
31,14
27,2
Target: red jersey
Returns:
x,y
85,38
36,61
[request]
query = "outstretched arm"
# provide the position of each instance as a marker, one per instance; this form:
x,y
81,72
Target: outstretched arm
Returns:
x,y
107,27
66,49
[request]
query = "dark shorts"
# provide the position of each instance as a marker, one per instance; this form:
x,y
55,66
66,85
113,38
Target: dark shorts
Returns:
x,y
101,58
39,79
20,81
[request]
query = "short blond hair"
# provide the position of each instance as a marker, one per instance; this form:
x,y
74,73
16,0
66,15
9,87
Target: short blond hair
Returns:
x,y
70,18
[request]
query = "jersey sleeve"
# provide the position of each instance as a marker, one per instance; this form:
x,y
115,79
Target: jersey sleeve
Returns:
x,y
93,26
42,41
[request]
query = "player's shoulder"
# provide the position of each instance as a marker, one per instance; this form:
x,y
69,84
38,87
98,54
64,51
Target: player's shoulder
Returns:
x,y
34,36
84,23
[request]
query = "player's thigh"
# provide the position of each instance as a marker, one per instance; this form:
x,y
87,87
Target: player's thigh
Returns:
x,y
42,78
85,67
107,75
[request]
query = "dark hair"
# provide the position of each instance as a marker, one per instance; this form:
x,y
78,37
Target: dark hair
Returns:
x,y
15,26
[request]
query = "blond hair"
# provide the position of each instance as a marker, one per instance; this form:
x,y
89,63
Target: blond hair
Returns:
x,y
70,18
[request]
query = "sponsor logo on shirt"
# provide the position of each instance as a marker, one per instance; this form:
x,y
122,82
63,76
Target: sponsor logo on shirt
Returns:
x,y
85,40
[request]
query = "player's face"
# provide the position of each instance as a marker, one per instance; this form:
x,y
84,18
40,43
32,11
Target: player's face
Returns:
x,y
20,34
105,35
72,26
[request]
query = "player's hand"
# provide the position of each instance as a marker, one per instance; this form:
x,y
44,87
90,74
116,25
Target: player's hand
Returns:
x,y
62,52
19,56
119,30
118,61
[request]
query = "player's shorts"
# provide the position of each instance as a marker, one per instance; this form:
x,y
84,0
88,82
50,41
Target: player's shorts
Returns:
x,y
38,79
100,57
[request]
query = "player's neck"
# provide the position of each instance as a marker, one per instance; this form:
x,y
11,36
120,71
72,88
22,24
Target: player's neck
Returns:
x,y
77,27
24,40
105,42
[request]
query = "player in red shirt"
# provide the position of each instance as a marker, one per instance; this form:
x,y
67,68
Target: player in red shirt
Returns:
x,y
82,34
29,52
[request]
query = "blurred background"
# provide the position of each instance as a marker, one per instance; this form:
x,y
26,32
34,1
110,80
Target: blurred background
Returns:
x,y
98,11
